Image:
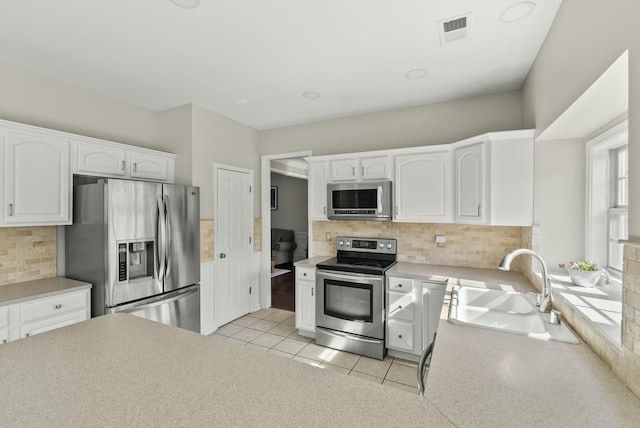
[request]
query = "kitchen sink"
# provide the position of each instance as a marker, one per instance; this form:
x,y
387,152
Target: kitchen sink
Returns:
x,y
509,312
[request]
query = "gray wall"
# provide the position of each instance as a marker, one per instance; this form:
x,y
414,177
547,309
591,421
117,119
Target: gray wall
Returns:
x,y
292,203
587,36
408,127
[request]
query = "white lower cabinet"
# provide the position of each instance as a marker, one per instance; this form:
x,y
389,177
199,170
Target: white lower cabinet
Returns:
x,y
306,301
413,314
44,314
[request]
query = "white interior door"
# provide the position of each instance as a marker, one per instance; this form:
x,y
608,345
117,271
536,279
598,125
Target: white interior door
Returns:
x,y
233,236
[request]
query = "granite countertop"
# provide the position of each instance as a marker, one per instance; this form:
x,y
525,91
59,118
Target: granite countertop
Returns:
x,y
28,290
120,370
481,377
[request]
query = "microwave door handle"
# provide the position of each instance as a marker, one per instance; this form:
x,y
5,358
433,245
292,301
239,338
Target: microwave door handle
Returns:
x,y
379,199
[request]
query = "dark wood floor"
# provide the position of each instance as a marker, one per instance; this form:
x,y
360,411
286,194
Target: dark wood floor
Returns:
x,y
283,290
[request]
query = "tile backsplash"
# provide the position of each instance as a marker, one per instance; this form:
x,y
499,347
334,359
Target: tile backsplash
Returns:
x,y
207,252
27,253
467,245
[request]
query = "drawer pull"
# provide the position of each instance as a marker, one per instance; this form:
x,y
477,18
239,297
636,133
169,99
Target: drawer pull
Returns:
x,y
58,306
399,336
304,274
399,285
399,306
27,335
4,341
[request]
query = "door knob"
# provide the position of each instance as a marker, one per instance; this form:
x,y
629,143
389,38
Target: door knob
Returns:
x,y
222,255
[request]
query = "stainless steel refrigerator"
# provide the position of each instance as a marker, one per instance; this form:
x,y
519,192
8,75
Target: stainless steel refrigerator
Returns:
x,y
138,243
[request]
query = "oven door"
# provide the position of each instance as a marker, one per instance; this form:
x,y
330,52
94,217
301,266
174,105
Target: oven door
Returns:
x,y
350,302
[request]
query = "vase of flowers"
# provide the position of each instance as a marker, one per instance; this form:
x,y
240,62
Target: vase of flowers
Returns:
x,y
585,274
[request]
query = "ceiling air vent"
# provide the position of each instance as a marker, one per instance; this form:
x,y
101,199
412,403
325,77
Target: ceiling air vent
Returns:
x,y
453,29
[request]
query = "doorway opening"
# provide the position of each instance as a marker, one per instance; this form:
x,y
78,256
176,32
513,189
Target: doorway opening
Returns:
x,y
285,226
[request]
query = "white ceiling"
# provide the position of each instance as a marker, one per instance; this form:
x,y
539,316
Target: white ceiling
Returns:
x,y
252,60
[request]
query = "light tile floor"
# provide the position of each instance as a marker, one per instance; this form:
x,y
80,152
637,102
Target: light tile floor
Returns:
x,y
273,331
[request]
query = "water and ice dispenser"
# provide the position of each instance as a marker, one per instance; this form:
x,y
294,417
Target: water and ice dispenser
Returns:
x,y
135,260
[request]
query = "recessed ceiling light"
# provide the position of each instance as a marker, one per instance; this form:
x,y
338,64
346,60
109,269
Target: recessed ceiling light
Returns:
x,y
311,95
186,4
416,73
517,11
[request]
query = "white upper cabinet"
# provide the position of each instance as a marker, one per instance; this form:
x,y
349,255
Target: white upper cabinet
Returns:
x,y
494,179
470,167
317,190
149,166
35,178
106,159
423,186
360,168
100,159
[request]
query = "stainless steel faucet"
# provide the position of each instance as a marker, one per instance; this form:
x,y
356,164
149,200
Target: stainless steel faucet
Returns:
x,y
545,299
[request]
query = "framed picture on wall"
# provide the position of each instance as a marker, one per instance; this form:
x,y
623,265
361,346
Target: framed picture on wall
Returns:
x,y
274,197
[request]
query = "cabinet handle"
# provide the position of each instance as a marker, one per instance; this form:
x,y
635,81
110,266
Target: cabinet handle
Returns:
x,y
4,341
312,291
324,210
304,274
399,285
27,335
363,171
479,206
399,336
399,306
122,165
135,167
10,210
58,306
353,170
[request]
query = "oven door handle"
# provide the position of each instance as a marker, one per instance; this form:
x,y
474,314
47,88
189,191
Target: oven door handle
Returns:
x,y
357,277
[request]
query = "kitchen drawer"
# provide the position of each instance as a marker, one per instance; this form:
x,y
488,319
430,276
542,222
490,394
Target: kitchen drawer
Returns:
x,y
53,323
308,274
401,306
401,284
400,335
51,306
4,316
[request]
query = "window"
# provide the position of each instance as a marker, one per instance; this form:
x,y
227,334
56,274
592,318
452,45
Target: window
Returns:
x,y
617,227
607,197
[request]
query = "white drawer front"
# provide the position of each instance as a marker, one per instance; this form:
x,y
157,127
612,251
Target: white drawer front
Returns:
x,y
400,335
308,274
401,284
53,323
51,306
4,316
401,306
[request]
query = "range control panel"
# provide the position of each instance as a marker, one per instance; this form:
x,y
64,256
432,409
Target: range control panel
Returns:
x,y
367,245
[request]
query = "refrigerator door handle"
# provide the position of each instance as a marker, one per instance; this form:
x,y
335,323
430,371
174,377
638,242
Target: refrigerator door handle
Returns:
x,y
157,301
160,238
168,242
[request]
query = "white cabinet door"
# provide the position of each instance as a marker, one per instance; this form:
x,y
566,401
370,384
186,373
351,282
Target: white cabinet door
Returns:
x,y
306,300
318,190
48,324
470,183
148,166
99,159
344,170
432,299
423,187
375,168
36,179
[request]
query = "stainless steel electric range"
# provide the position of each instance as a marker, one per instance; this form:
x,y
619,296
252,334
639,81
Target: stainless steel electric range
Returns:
x,y
350,295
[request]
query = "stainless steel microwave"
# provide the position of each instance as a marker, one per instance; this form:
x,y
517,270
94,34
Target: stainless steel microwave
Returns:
x,y
368,200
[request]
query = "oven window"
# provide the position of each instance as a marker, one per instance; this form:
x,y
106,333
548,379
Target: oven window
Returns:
x,y
348,300
355,199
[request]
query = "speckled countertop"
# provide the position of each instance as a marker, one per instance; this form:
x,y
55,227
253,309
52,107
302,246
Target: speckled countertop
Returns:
x,y
312,262
21,291
119,370
483,378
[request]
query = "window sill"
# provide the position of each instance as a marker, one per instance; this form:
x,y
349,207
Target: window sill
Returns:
x,y
600,307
